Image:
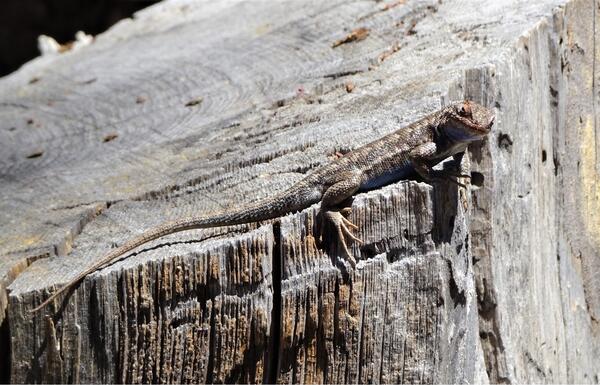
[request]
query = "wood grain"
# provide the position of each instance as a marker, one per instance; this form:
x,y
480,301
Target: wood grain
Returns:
x,y
192,107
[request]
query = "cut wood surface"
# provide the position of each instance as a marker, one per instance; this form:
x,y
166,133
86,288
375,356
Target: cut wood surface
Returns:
x,y
193,107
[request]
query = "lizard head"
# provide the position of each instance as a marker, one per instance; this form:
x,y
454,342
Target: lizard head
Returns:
x,y
467,121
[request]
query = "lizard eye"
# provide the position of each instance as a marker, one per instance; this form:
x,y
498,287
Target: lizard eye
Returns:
x,y
464,110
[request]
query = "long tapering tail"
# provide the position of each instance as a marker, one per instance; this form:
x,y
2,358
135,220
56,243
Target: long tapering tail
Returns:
x,y
166,229
271,208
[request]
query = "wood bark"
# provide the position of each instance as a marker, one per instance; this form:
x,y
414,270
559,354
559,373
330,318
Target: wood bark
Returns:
x,y
194,107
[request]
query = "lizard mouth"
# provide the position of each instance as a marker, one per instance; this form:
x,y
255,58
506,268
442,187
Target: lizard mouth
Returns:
x,y
479,128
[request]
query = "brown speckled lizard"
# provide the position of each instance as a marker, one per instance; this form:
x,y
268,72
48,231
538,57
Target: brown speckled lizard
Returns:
x,y
417,147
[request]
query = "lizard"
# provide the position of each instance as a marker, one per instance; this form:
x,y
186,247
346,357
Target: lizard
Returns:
x,y
416,147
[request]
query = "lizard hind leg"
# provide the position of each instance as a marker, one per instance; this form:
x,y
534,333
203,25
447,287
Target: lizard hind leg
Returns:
x,y
334,195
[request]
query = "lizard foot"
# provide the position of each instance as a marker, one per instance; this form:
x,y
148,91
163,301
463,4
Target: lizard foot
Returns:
x,y
343,226
447,174
346,211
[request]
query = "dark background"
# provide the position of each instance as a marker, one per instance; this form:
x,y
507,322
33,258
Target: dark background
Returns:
x,y
22,21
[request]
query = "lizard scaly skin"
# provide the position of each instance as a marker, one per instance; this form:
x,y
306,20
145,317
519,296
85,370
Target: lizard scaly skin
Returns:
x,y
416,147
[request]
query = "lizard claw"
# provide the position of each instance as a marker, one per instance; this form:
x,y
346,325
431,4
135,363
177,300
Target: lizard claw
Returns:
x,y
447,176
343,226
455,181
458,174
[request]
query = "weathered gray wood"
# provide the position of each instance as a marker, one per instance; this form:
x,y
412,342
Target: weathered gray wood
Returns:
x,y
400,316
193,107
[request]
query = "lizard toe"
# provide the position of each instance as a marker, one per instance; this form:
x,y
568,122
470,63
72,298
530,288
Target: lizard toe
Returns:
x,y
349,234
342,225
347,223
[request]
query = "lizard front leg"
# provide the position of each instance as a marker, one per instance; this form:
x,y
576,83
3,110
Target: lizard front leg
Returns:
x,y
462,170
419,156
334,195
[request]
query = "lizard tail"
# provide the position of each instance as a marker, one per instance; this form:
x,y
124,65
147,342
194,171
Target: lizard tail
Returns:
x,y
269,209
165,229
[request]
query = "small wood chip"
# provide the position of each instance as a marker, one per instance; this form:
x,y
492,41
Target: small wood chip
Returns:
x,y
393,49
356,35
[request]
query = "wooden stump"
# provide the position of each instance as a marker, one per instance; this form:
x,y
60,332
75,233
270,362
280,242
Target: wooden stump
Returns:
x,y
194,107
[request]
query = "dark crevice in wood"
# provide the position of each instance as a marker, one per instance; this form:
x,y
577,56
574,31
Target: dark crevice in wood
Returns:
x,y
274,350
337,339
76,205
337,75
212,354
490,337
505,142
110,137
477,179
385,317
457,295
194,102
96,321
4,351
321,337
172,243
120,357
536,365
36,371
187,187
35,154
444,211
361,340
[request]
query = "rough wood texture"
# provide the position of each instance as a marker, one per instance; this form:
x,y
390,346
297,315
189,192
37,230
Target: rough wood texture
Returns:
x,y
193,107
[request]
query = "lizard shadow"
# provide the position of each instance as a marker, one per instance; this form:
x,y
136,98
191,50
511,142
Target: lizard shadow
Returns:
x,y
446,197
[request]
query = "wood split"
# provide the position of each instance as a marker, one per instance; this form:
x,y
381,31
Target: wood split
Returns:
x,y
35,154
393,49
411,30
110,137
392,5
385,8
194,102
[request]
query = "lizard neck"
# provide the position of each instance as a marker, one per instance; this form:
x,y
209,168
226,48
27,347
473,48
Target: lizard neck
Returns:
x,y
456,134
449,141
